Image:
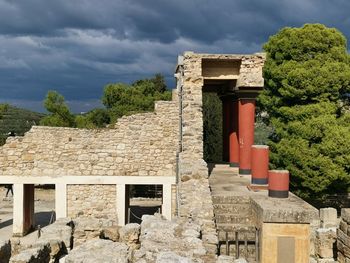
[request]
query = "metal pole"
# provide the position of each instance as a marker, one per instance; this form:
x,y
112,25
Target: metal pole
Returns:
x,y
257,245
227,246
128,215
246,244
237,244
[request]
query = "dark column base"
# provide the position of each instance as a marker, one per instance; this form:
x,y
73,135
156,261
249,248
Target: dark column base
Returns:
x,y
278,194
260,181
234,164
245,171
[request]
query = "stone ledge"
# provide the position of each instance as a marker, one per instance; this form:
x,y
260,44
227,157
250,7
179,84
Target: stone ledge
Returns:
x,y
283,210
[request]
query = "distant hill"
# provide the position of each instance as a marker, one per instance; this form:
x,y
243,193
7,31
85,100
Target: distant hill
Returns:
x,y
17,120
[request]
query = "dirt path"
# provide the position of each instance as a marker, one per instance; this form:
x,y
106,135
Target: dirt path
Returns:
x,y
44,205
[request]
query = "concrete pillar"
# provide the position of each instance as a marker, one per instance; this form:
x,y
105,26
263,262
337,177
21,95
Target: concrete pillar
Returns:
x,y
120,204
233,136
23,208
225,128
61,200
246,119
166,206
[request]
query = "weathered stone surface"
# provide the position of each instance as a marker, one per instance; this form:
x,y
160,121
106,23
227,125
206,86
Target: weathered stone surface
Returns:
x,y
87,228
5,251
325,239
283,210
179,236
328,217
171,257
225,259
345,214
111,233
55,241
129,234
99,251
38,254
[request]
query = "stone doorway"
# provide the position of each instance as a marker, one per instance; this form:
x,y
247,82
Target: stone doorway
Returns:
x,y
142,200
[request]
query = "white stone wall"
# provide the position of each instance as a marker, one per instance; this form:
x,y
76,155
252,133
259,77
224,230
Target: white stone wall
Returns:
x,y
141,144
98,201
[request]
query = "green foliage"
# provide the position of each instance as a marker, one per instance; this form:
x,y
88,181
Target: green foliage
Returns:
x,y
96,118
212,127
60,113
307,74
121,99
19,121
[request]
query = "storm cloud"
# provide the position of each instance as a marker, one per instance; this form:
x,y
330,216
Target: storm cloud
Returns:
x,y
77,47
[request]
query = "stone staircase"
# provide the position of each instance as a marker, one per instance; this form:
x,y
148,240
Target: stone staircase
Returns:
x,y
233,212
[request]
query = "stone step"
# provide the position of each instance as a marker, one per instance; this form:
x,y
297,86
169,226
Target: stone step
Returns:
x,y
231,219
237,209
229,199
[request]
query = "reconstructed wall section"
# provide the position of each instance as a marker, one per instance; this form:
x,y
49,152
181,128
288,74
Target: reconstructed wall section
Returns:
x,y
142,144
195,198
98,201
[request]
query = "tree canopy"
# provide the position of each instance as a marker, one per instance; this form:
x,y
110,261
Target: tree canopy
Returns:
x,y
119,99
60,113
307,79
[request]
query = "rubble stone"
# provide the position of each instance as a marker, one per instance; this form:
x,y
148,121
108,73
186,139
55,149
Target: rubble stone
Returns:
x,y
99,251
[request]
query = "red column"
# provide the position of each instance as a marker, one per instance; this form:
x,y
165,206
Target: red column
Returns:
x,y
233,136
246,119
225,129
260,164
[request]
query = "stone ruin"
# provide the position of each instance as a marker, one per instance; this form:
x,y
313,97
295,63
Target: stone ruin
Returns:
x,y
201,219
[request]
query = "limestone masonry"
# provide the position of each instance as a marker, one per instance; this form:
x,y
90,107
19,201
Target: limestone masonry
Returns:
x,y
205,210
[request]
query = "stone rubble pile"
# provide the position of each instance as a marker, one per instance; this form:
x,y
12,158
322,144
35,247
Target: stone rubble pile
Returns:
x,y
55,240
97,241
86,228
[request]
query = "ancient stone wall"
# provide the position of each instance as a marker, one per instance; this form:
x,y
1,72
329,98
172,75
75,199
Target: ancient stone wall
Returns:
x,y
141,144
343,237
98,201
194,193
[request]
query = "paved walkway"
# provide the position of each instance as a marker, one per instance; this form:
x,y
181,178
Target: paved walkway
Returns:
x,y
224,180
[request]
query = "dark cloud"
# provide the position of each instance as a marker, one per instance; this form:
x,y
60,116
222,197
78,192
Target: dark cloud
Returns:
x,y
76,47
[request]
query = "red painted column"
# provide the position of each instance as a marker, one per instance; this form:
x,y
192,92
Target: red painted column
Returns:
x,y
225,128
246,119
260,164
233,136
279,183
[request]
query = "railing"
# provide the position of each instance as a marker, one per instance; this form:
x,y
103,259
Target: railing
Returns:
x,y
237,242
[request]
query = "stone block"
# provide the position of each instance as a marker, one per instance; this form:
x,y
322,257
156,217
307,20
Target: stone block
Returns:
x,y
343,226
328,217
345,250
99,251
344,238
345,214
325,238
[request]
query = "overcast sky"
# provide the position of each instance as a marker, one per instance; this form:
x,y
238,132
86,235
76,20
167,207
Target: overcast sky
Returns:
x,y
78,46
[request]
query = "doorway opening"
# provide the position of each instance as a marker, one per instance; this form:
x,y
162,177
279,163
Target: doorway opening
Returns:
x,y
142,200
